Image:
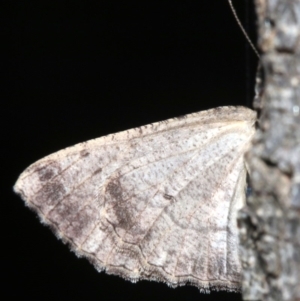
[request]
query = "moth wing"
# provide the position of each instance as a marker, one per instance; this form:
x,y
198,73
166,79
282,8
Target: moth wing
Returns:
x,y
157,202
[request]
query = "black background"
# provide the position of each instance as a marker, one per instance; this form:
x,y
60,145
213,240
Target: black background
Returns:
x,y
77,70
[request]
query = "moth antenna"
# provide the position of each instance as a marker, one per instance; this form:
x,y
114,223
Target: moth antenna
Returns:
x,y
242,28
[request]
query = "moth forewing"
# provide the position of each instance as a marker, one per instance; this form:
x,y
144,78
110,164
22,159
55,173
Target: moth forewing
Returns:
x,y
155,202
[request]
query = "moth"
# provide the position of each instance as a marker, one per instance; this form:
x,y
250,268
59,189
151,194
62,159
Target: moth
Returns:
x,y
158,202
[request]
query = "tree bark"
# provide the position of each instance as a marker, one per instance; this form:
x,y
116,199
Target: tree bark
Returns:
x,y
270,223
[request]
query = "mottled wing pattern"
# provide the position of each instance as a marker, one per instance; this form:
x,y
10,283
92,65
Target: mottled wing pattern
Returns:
x,y
157,202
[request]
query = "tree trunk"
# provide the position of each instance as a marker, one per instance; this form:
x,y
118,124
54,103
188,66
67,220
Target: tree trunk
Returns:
x,y
270,223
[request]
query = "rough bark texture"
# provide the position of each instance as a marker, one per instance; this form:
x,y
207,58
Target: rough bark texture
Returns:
x,y
270,224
